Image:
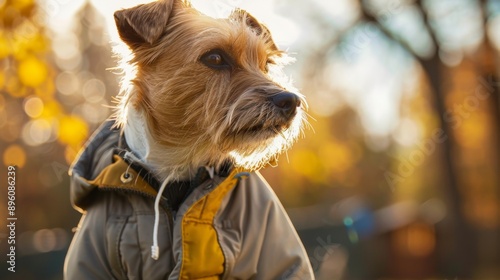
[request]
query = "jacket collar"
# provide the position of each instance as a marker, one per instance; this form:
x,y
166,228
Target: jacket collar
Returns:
x,y
107,163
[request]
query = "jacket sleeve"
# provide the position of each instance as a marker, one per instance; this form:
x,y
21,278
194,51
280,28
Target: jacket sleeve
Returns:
x,y
261,242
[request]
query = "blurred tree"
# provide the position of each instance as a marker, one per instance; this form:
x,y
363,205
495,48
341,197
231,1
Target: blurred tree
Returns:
x,y
55,88
446,139
433,68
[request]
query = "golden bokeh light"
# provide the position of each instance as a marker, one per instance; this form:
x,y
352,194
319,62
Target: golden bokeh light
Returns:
x,y
32,72
337,157
73,130
14,155
22,4
306,162
36,132
51,109
473,131
4,46
33,106
67,83
14,87
2,80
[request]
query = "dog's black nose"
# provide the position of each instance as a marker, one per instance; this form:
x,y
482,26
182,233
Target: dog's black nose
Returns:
x,y
287,102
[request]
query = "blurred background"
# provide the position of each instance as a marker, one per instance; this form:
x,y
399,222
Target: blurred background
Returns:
x,y
397,179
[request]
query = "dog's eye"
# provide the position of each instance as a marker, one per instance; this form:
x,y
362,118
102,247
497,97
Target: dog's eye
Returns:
x,y
216,59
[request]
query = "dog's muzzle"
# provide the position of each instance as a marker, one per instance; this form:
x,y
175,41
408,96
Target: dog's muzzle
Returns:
x,y
287,102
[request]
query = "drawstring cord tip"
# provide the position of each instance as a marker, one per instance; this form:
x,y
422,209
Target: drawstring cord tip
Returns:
x,y
155,251
155,254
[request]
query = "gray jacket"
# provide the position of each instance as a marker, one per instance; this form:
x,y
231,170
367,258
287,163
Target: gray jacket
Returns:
x,y
231,226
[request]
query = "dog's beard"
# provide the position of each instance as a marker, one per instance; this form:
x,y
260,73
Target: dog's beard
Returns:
x,y
256,148
254,132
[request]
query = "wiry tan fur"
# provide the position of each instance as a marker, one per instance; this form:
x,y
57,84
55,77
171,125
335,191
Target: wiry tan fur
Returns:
x,y
195,115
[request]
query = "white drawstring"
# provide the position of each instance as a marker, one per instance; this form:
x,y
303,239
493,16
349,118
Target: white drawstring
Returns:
x,y
155,251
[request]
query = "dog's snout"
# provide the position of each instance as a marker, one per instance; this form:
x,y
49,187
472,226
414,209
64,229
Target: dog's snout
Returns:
x,y
287,102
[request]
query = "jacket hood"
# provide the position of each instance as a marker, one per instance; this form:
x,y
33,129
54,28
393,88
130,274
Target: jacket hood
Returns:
x,y
106,163
95,155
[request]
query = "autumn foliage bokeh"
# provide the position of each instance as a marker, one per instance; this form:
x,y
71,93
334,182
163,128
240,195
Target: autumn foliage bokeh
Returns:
x,y
398,177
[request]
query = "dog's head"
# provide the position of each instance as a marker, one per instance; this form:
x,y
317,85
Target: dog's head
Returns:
x,y
210,88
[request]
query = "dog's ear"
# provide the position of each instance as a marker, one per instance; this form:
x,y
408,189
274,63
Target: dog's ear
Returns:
x,y
144,23
259,28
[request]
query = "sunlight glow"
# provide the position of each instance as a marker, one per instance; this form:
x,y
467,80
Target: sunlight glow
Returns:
x,y
344,12
407,132
284,30
493,29
357,78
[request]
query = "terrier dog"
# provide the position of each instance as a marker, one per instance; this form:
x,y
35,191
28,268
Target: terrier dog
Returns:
x,y
202,91
205,92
